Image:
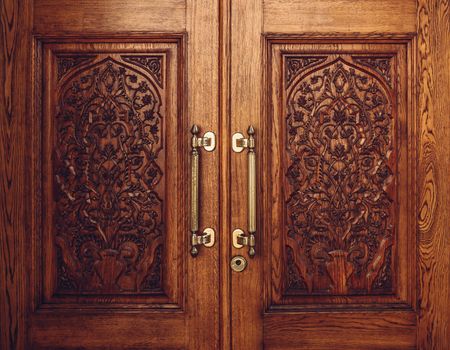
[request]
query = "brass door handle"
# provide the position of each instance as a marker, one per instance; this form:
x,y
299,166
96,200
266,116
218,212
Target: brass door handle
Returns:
x,y
208,143
239,143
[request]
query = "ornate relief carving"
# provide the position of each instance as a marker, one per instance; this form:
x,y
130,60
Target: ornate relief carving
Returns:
x,y
108,182
295,64
66,63
151,64
382,65
339,183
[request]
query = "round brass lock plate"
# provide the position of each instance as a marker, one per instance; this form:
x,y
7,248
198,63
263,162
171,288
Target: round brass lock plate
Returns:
x,y
238,263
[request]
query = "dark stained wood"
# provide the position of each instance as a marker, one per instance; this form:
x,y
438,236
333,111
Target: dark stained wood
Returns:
x,y
14,152
218,60
356,331
340,168
180,307
338,232
107,117
112,331
433,27
116,86
305,317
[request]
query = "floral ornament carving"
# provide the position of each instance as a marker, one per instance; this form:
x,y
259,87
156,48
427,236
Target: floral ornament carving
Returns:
x,y
382,65
151,64
340,184
108,182
66,63
295,64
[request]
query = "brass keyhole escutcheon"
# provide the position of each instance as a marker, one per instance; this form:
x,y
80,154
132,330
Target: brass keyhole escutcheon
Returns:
x,y
238,263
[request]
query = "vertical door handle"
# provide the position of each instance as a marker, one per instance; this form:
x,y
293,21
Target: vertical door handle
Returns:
x,y
208,143
239,143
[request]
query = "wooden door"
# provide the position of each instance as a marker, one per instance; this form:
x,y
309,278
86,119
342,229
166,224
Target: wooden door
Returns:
x,y
338,103
349,144
113,89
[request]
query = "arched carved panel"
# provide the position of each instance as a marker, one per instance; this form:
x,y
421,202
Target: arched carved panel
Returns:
x,y
339,181
109,180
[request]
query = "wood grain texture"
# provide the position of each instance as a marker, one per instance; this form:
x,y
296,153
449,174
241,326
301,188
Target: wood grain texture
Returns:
x,y
323,326
344,16
203,109
225,173
245,104
51,16
433,26
14,63
108,331
353,331
100,313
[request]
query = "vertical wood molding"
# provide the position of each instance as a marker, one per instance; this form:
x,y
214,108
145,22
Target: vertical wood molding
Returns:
x,y
246,81
433,18
225,171
14,65
202,25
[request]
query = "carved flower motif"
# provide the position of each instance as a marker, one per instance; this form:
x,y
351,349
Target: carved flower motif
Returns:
x,y
339,117
302,101
338,179
149,115
147,99
108,218
109,116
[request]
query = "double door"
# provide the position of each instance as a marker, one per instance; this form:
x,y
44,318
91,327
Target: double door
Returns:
x,y
211,175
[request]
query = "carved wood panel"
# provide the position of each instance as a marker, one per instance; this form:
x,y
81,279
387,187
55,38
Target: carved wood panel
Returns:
x,y
335,226
108,114
339,169
109,180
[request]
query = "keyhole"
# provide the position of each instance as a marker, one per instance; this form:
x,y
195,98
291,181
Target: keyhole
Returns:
x,y
238,263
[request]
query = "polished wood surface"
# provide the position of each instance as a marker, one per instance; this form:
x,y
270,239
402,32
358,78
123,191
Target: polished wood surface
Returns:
x,y
107,228
99,294
202,25
246,72
123,102
433,91
15,50
352,330
224,57
343,16
338,231
109,16
324,311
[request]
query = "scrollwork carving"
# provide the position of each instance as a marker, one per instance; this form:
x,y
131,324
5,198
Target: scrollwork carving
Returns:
x,y
151,64
66,63
295,64
340,183
108,182
382,65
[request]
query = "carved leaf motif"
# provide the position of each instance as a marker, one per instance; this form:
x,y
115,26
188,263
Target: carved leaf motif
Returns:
x,y
108,182
382,65
151,64
295,64
339,183
66,63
